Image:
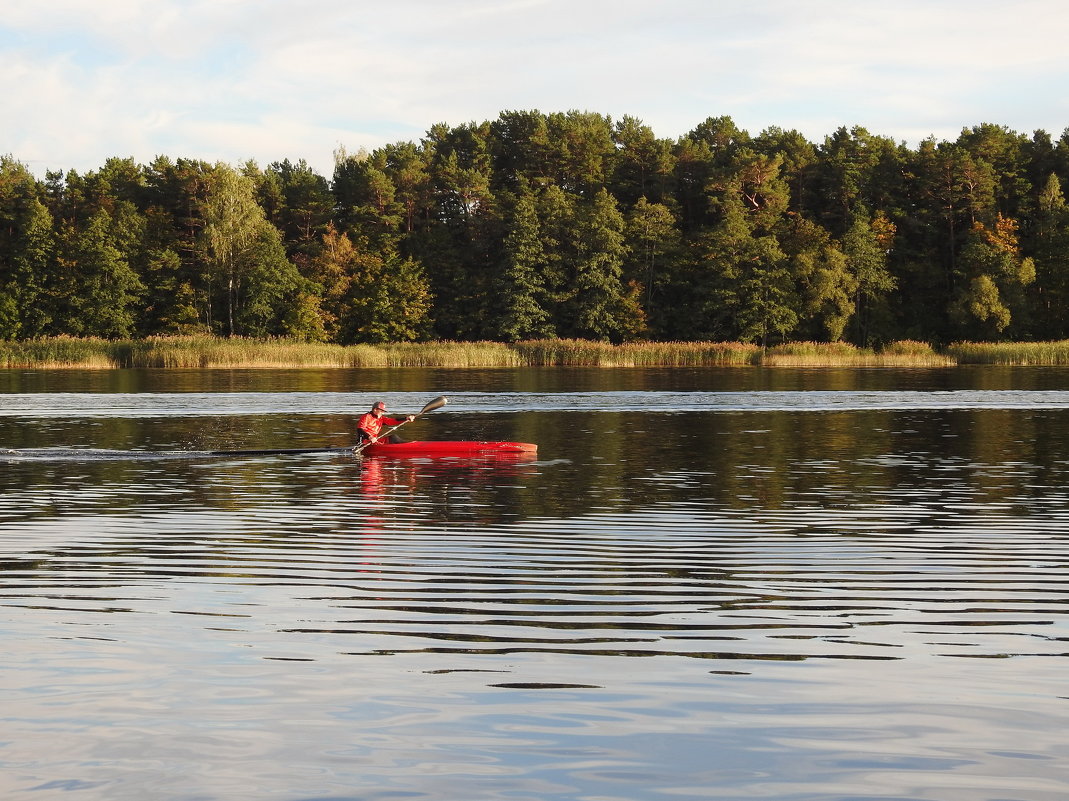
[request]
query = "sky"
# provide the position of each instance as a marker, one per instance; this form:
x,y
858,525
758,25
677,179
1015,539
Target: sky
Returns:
x,y
267,80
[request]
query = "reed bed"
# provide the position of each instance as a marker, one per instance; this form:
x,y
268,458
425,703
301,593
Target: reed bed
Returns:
x,y
584,353
455,355
166,352
205,352
57,353
1046,354
842,354
211,352
815,354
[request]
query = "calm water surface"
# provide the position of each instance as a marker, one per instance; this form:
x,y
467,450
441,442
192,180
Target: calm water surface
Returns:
x,y
723,584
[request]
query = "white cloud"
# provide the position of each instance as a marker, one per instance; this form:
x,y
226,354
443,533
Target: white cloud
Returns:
x,y
269,79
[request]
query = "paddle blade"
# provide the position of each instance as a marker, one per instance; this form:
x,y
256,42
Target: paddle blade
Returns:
x,y
437,403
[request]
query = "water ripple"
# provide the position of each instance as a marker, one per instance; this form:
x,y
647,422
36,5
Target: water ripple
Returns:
x,y
852,607
786,585
196,404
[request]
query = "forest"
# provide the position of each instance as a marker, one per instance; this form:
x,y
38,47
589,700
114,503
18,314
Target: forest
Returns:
x,y
555,225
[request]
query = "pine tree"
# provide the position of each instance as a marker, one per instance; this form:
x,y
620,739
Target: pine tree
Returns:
x,y
99,288
865,245
741,282
653,243
26,308
599,308
521,289
1051,243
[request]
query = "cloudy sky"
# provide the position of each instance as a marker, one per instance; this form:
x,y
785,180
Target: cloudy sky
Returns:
x,y
233,80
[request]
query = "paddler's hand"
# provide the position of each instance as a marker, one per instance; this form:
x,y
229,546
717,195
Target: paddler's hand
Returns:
x,y
410,418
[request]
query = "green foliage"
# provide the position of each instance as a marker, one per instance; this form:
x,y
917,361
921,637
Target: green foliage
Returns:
x,y
248,268
171,307
742,277
393,306
825,283
303,320
598,307
24,297
797,157
98,289
854,168
26,250
654,244
565,224
993,270
521,289
1050,244
365,298
642,165
866,246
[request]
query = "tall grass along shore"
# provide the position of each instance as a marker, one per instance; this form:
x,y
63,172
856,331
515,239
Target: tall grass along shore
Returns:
x,y
212,352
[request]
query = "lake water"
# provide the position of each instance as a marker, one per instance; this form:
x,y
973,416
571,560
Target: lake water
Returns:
x,y
716,584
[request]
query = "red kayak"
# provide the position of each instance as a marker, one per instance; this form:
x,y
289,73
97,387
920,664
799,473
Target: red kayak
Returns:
x,y
433,448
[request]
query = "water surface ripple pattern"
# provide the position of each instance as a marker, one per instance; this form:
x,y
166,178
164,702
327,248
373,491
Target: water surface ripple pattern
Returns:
x,y
840,597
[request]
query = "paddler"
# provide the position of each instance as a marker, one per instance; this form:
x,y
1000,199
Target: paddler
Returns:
x,y
371,424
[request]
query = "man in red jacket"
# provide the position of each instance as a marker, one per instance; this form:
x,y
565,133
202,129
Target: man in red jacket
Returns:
x,y
371,424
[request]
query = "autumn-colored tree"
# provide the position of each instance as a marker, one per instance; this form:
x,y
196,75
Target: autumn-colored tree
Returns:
x,y
365,297
993,273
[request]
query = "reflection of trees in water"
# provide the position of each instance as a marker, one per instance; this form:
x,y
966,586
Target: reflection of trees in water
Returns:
x,y
587,461
591,461
597,472
774,460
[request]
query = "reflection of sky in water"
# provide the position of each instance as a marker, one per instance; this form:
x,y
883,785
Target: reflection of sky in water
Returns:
x,y
764,604
187,404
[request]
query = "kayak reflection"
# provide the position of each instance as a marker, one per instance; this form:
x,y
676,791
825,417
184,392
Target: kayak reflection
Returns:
x,y
399,494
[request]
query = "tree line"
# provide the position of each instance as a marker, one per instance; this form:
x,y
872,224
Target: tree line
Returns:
x,y
561,225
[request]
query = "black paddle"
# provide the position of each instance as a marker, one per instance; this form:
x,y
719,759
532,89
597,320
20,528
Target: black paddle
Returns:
x,y
437,403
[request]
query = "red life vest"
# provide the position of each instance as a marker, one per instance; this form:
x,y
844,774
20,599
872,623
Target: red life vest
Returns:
x,y
372,425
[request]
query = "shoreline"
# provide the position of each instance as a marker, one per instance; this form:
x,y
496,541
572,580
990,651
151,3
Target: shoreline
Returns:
x,y
203,352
